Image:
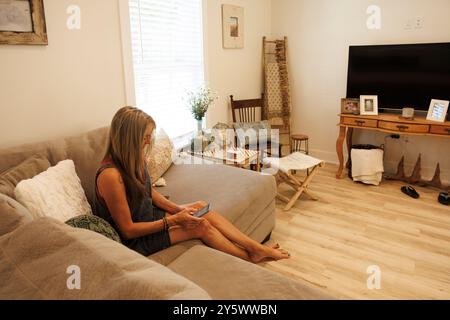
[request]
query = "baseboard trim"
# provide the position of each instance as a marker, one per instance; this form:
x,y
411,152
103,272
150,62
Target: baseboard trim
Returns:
x,y
390,165
327,156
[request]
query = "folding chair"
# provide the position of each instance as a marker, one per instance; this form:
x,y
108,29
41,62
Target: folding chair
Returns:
x,y
283,168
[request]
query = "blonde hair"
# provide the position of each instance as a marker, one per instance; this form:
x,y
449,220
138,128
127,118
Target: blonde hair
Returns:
x,y
125,146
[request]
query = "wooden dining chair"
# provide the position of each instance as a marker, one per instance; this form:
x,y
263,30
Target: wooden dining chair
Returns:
x,y
248,111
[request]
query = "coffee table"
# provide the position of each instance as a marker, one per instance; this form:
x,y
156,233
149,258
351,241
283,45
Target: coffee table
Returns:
x,y
237,157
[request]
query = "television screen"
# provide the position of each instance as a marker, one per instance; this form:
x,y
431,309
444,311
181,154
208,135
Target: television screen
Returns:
x,y
401,75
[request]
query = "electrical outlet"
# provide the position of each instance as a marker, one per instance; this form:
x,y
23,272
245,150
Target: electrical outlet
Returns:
x,y
418,23
406,139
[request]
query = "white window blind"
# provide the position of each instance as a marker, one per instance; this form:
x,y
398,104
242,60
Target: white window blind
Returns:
x,y
167,41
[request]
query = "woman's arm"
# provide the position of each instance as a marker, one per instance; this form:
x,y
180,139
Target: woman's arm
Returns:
x,y
112,189
165,204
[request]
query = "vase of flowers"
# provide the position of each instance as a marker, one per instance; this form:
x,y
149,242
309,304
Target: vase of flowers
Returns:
x,y
198,102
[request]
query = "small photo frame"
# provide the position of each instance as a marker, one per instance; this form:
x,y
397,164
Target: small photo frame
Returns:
x,y
349,106
438,110
368,105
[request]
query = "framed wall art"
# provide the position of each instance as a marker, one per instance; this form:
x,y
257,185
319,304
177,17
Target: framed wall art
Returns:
x,y
233,26
22,22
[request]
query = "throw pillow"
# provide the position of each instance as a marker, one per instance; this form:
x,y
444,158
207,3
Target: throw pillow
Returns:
x,y
25,170
12,215
250,133
160,158
96,224
55,193
221,134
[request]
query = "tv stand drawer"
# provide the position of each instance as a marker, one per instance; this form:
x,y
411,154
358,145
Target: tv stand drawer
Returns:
x,y
404,127
440,129
368,123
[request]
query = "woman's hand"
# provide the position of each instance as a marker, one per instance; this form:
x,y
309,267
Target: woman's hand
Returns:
x,y
195,205
185,218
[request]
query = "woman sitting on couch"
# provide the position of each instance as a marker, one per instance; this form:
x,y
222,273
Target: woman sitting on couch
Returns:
x,y
146,221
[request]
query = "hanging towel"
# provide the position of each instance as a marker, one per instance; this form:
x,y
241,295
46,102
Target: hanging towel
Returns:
x,y
367,166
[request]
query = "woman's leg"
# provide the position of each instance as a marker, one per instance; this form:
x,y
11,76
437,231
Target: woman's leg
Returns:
x,y
226,227
210,236
256,250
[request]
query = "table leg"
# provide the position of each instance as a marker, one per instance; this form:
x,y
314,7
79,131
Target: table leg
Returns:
x,y
258,165
340,151
349,145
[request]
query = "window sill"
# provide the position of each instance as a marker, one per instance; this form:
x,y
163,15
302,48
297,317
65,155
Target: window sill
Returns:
x,y
183,141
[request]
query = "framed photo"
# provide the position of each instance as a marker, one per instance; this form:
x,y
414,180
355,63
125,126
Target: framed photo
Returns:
x,y
349,106
438,110
233,26
22,22
368,105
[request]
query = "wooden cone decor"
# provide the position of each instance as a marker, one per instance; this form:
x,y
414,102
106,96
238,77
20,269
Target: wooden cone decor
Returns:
x,y
416,178
436,181
400,175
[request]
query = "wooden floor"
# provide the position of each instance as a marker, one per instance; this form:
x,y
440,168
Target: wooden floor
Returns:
x,y
353,226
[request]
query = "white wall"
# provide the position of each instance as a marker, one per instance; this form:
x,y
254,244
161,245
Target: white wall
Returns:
x,y
319,34
76,83
235,71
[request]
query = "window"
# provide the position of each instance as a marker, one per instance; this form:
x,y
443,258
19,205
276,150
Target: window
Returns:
x,y
167,46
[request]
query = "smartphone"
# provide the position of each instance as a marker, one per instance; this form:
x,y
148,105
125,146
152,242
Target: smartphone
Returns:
x,y
200,213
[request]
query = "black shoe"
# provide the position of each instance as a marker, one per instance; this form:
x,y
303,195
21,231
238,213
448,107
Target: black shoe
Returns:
x,y
410,191
444,198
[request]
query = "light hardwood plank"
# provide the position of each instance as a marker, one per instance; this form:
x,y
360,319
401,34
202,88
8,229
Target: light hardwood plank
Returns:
x,y
332,241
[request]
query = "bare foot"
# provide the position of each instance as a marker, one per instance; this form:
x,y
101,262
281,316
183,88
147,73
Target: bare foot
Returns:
x,y
266,253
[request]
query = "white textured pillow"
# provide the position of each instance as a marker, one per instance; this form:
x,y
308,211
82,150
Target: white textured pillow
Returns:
x,y
160,158
55,193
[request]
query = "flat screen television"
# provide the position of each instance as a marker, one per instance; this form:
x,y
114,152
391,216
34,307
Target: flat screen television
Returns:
x,y
401,75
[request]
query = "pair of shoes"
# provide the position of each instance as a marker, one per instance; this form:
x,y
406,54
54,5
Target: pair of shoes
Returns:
x,y
444,198
410,191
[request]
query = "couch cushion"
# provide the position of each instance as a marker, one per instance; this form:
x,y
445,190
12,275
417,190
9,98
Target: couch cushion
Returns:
x,y
239,195
226,277
161,155
13,156
87,151
167,256
94,224
34,260
55,193
24,170
12,214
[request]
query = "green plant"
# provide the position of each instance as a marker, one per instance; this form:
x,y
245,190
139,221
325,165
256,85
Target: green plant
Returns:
x,y
200,100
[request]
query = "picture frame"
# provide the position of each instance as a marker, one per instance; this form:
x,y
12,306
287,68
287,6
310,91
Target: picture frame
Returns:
x,y
350,106
22,22
438,110
233,26
368,105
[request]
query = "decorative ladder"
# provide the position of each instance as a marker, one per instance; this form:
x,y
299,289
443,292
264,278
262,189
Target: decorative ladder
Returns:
x,y
277,104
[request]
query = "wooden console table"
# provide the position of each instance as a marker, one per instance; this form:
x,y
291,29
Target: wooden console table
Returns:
x,y
389,123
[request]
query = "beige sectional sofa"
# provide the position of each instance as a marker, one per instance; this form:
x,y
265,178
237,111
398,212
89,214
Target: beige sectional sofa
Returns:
x,y
35,254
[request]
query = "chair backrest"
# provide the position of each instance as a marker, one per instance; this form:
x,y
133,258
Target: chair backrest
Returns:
x,y
246,110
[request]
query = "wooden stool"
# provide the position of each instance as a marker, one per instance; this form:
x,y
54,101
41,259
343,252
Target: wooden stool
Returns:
x,y
296,146
297,141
